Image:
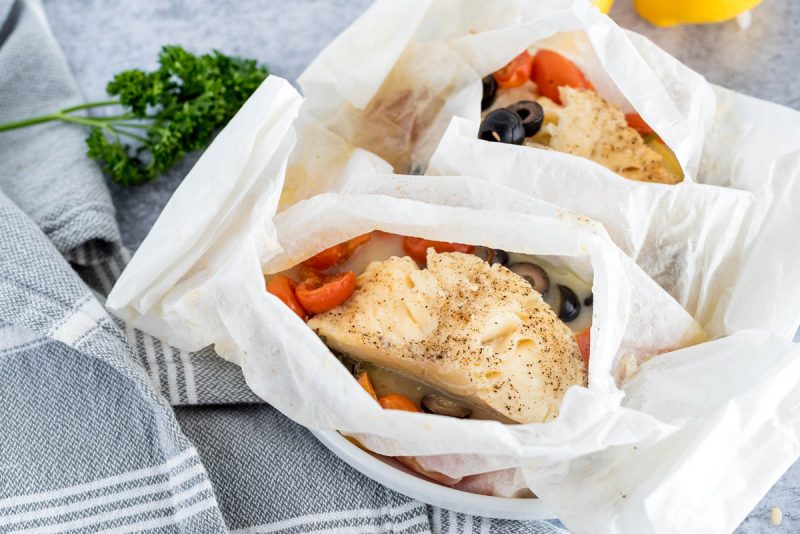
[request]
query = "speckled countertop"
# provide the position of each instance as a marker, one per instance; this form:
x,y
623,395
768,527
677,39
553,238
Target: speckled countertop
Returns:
x,y
101,38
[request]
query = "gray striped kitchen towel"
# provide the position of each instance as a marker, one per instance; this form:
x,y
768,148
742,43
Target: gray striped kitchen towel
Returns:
x,y
86,442
185,378
104,428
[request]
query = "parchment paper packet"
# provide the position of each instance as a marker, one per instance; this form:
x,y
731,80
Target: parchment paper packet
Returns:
x,y
724,253
721,243
198,279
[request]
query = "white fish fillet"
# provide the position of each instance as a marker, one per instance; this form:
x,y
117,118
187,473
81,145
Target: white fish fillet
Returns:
x,y
590,127
477,331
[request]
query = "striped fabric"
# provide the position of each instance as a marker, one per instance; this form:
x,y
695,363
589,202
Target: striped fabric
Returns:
x,y
161,495
185,378
409,517
87,444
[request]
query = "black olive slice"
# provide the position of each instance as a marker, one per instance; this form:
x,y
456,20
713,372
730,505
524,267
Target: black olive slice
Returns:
x,y
492,255
441,405
489,92
502,126
569,307
485,253
532,115
535,275
500,256
416,169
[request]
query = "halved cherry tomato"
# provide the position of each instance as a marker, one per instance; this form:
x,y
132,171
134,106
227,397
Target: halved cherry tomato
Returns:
x,y
381,233
412,463
584,342
551,70
284,287
309,275
366,383
320,295
336,254
515,73
395,401
417,248
636,122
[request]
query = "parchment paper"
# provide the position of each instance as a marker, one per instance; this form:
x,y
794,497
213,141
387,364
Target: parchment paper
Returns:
x,y
711,242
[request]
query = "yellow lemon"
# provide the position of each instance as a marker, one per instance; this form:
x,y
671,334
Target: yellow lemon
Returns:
x,y
672,12
603,5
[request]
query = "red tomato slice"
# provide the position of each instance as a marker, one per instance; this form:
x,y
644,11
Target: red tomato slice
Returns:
x,y
283,287
417,248
584,343
395,401
366,383
636,122
319,296
336,254
551,70
515,73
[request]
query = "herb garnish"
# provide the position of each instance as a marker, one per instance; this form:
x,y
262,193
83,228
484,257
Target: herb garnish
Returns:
x,y
168,112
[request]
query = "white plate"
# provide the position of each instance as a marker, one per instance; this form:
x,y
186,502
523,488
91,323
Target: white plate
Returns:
x,y
381,470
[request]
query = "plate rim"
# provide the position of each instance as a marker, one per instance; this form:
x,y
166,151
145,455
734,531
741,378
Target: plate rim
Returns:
x,y
428,492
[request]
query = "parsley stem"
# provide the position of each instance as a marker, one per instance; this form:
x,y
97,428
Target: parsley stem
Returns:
x,y
126,116
128,134
90,105
28,122
115,117
132,125
64,115
87,121
67,117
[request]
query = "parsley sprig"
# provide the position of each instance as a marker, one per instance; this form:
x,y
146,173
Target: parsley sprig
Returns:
x,y
166,113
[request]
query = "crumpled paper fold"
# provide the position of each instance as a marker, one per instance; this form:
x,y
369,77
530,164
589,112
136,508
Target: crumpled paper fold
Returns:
x,y
413,104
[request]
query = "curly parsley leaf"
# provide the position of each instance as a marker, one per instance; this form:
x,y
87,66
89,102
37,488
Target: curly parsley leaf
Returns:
x,y
167,113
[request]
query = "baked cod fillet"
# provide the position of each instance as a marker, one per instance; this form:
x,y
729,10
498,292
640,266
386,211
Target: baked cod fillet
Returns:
x,y
476,331
589,126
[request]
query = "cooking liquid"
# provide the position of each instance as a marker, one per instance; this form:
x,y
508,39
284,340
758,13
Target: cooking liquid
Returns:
x,y
385,381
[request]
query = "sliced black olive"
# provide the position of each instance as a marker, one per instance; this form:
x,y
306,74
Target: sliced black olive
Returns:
x,y
492,255
416,169
489,92
500,256
484,253
502,126
438,404
569,307
589,301
535,275
531,113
